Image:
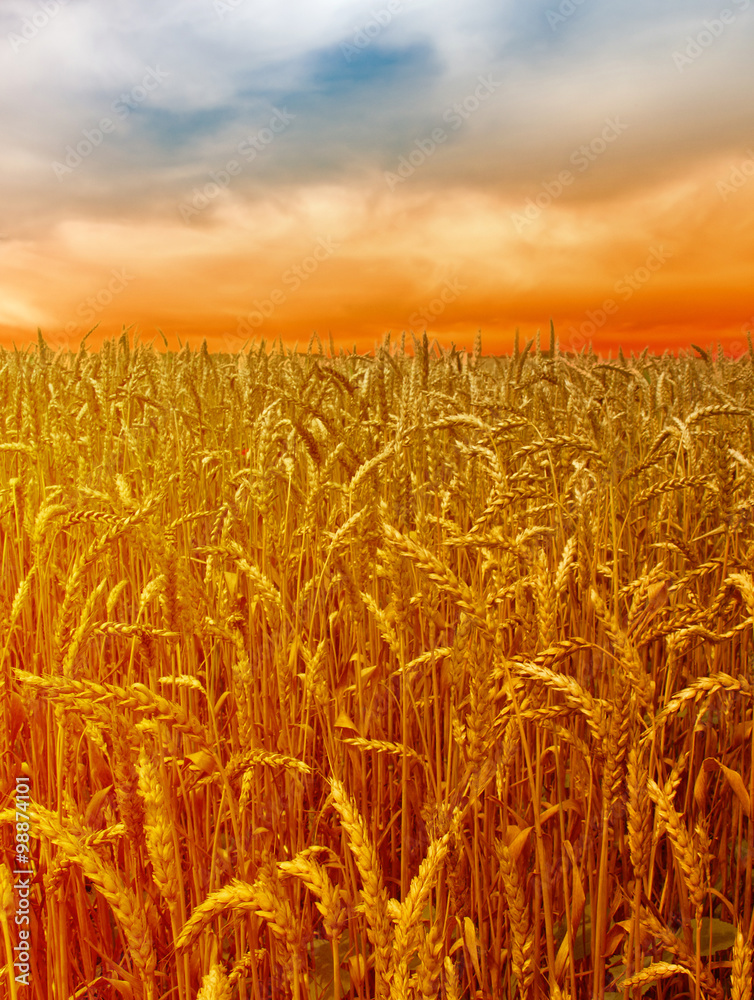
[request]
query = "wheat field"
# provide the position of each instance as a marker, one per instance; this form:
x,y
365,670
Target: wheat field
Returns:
x,y
413,674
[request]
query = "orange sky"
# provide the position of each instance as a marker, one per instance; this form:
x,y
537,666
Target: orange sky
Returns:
x,y
230,176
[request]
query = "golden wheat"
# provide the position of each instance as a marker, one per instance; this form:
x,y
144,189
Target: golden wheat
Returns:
x,y
352,676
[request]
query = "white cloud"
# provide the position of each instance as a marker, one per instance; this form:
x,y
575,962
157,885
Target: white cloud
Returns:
x,y
355,119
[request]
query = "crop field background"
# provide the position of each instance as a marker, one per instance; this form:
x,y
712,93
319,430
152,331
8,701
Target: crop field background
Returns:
x,y
421,674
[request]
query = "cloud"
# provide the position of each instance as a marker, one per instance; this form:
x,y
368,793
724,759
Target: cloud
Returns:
x,y
363,87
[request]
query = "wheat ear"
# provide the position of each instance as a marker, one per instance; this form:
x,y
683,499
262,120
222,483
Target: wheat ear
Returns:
x,y
523,939
681,843
373,893
741,975
658,970
158,830
330,905
215,985
410,915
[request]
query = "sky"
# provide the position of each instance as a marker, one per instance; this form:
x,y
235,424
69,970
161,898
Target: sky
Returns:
x,y
248,170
